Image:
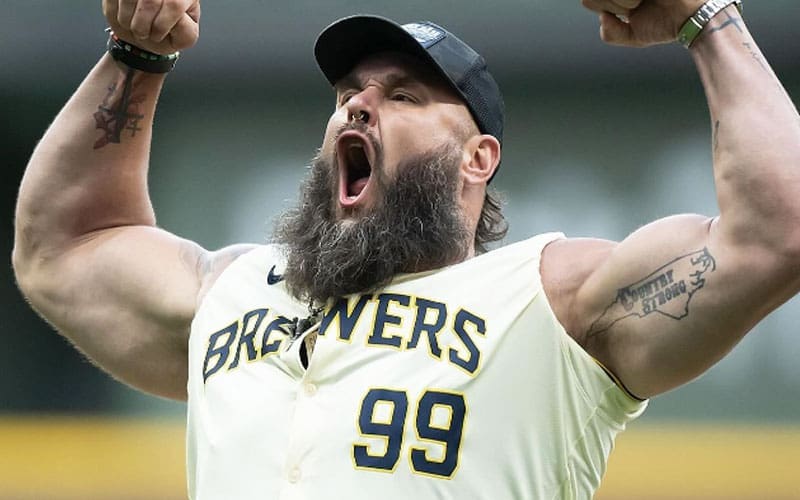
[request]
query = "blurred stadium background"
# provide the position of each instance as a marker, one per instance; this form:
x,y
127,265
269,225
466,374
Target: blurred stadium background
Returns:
x,y
599,141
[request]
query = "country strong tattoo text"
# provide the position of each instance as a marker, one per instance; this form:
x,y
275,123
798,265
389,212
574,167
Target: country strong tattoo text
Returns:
x,y
666,291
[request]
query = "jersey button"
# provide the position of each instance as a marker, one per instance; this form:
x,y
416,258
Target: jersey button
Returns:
x,y
310,389
294,475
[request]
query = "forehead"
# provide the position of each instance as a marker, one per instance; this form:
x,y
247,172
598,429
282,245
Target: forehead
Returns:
x,y
391,67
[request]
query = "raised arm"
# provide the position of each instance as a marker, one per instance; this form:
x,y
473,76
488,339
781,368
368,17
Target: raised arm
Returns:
x,y
87,252
661,307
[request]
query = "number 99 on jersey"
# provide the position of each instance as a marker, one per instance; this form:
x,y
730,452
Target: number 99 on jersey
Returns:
x,y
438,419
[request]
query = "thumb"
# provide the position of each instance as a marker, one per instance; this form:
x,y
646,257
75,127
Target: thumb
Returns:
x,y
614,31
185,33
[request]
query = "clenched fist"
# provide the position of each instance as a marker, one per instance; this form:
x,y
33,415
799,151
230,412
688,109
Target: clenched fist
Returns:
x,y
159,26
639,23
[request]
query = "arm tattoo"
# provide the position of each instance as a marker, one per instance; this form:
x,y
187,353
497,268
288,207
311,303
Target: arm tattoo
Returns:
x,y
667,291
119,112
715,138
731,21
756,56
737,23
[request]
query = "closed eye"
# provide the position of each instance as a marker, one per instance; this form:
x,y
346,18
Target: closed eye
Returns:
x,y
346,96
402,97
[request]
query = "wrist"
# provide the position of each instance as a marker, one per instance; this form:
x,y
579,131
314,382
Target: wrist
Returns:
x,y
134,57
696,24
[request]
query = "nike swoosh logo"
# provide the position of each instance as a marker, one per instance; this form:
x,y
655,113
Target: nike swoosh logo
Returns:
x,y
272,278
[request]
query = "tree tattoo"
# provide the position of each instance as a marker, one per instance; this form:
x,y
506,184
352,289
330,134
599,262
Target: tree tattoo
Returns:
x,y
119,112
667,291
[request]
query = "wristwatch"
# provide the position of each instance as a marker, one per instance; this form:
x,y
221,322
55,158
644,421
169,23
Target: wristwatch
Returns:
x,y
695,24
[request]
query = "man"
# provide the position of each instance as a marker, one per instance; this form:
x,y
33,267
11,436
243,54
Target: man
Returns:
x,y
376,349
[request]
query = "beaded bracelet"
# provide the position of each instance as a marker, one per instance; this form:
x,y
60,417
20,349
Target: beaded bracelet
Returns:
x,y
136,58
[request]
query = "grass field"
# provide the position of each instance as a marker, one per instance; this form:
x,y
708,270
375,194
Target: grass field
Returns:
x,y
90,458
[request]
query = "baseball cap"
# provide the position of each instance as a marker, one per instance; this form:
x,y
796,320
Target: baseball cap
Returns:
x,y
343,44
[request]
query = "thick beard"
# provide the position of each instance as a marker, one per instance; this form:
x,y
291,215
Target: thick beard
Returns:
x,y
416,226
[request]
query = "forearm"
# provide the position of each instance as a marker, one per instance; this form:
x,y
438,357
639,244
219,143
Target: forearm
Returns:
x,y
756,138
89,171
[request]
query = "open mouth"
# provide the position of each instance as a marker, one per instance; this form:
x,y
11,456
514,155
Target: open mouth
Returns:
x,y
355,156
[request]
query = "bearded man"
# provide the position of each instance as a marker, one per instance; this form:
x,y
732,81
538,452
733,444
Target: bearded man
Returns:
x,y
376,348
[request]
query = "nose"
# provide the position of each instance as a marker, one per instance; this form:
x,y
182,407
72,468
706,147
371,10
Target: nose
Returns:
x,y
362,107
359,116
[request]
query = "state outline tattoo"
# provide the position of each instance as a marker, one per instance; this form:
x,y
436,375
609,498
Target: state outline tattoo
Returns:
x,y
668,291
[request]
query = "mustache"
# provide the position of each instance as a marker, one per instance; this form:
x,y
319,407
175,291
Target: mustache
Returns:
x,y
358,126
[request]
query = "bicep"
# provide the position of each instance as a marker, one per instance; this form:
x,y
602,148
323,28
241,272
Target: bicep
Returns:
x,y
671,300
126,297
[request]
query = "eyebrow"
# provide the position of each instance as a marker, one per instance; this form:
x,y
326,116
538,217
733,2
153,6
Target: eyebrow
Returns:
x,y
392,80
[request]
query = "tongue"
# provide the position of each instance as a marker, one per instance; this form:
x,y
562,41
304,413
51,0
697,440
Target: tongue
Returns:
x,y
357,186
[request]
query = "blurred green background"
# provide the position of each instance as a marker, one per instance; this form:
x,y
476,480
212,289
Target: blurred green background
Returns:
x,y
599,140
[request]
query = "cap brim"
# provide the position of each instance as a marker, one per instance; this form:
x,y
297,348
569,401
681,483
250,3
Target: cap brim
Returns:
x,y
346,42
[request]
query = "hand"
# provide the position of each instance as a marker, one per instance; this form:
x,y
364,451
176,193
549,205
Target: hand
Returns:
x,y
159,26
644,22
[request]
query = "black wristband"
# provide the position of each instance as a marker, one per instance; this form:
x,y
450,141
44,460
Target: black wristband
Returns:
x,y
136,58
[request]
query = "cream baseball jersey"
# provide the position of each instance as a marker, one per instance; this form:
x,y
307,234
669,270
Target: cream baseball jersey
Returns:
x,y
457,383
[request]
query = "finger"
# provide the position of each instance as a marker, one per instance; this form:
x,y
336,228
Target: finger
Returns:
x,y
111,12
194,11
628,4
614,31
601,6
142,20
185,33
170,14
125,12
110,9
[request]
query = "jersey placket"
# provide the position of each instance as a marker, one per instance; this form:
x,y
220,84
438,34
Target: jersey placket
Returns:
x,y
303,425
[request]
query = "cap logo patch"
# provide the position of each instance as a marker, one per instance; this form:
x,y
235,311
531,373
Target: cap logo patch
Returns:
x,y
426,34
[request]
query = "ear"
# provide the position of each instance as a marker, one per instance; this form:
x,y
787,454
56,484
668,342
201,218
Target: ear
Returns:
x,y
481,158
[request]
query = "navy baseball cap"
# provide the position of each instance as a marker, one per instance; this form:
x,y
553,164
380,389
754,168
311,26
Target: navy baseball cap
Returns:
x,y
346,42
